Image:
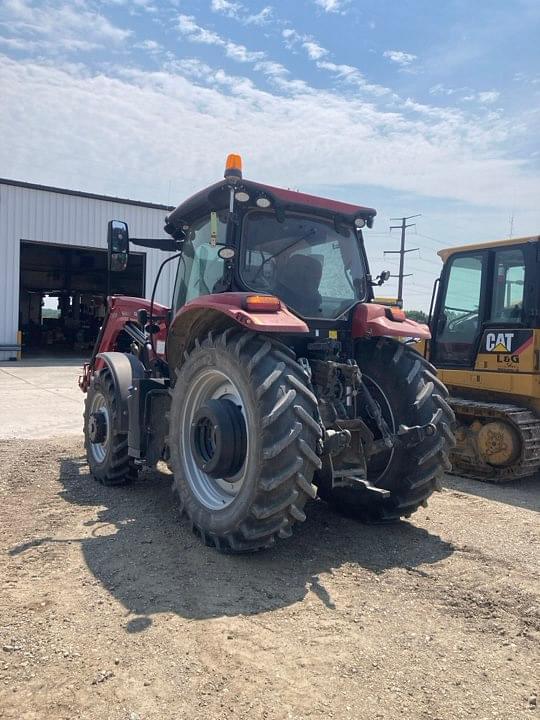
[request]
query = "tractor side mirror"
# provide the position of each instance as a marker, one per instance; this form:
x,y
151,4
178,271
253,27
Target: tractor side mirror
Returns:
x,y
118,245
382,278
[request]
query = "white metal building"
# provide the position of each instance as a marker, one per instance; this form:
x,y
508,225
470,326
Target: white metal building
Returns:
x,y
45,222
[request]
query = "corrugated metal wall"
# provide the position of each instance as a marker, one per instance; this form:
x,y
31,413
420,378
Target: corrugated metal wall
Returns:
x,y
51,217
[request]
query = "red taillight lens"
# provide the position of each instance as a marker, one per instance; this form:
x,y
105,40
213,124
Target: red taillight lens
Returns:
x,y
262,303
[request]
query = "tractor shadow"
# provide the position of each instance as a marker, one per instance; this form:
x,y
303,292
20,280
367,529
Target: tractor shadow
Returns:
x,y
148,559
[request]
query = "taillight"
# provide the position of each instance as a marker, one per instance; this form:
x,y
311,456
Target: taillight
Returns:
x,y
396,314
262,303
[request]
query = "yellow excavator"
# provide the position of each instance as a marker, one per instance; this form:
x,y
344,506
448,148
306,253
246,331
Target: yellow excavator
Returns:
x,y
485,325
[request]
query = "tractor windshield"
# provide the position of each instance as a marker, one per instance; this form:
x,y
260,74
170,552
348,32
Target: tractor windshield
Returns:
x,y
314,268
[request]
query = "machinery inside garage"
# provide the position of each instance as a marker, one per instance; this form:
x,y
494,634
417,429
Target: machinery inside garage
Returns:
x,y
63,295
53,266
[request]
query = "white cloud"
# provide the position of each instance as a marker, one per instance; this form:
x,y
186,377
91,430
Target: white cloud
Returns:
x,y
226,6
353,76
260,18
196,33
57,26
526,79
314,50
440,89
403,59
271,68
466,94
145,5
489,96
291,36
50,46
238,11
127,114
307,42
241,54
279,76
331,6
151,46
319,55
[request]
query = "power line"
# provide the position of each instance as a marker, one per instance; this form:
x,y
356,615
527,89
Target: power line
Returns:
x,y
429,237
401,252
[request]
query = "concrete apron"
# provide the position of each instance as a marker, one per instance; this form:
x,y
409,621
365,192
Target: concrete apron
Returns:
x,y
40,398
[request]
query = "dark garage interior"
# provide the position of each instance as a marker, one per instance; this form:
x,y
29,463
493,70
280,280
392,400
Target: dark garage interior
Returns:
x,y
63,295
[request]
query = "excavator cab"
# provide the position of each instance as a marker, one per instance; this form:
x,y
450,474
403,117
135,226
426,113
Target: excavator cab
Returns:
x,y
486,342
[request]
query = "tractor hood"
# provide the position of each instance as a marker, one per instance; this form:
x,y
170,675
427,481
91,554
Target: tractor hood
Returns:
x,y
216,197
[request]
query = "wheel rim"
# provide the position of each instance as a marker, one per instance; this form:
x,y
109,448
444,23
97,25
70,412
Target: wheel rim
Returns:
x,y
378,464
99,405
214,493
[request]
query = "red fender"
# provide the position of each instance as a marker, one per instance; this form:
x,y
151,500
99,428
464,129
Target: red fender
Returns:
x,y
207,312
373,320
123,308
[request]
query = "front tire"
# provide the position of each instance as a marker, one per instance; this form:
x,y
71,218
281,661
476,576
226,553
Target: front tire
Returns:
x,y
263,495
408,392
106,446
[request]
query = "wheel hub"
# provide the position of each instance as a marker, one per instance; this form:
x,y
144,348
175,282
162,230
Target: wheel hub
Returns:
x,y
499,443
218,438
97,427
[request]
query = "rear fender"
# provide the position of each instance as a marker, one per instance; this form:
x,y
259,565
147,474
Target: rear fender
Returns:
x,y
123,368
217,312
371,320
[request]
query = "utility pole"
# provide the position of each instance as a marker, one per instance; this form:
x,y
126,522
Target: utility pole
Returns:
x,y
401,252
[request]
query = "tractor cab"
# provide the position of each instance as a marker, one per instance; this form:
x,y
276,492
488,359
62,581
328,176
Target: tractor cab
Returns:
x,y
243,236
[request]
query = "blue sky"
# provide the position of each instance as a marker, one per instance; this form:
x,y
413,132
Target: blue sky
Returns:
x,y
409,107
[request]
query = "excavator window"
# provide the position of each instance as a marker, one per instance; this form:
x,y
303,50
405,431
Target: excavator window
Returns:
x,y
459,321
508,286
480,289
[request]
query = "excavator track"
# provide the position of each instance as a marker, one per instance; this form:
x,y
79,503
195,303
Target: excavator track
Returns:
x,y
524,422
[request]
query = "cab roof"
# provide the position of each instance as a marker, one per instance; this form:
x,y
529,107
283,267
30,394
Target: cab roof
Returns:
x,y
448,252
216,197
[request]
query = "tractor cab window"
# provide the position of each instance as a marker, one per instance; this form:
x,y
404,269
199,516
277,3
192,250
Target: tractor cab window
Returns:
x,y
200,269
459,323
508,286
314,268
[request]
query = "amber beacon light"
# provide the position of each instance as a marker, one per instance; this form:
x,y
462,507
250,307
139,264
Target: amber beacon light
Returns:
x,y
233,166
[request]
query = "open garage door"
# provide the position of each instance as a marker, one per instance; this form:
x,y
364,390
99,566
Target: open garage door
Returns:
x,y
62,295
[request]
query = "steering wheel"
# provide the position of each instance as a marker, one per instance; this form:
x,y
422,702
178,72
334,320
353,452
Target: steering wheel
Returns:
x,y
464,321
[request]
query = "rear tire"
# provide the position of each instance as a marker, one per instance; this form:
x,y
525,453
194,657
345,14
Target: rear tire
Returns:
x,y
406,388
108,460
263,501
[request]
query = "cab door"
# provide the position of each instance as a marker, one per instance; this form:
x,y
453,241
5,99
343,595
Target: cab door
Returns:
x,y
458,321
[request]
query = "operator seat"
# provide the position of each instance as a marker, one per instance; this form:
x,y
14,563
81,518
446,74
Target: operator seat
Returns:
x,y
298,284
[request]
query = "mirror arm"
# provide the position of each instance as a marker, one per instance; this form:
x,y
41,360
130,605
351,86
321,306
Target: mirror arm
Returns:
x,y
164,244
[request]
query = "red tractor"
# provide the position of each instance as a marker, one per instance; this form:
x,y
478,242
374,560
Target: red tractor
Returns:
x,y
272,378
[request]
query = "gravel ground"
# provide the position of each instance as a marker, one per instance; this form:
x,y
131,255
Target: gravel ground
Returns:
x,y
110,609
